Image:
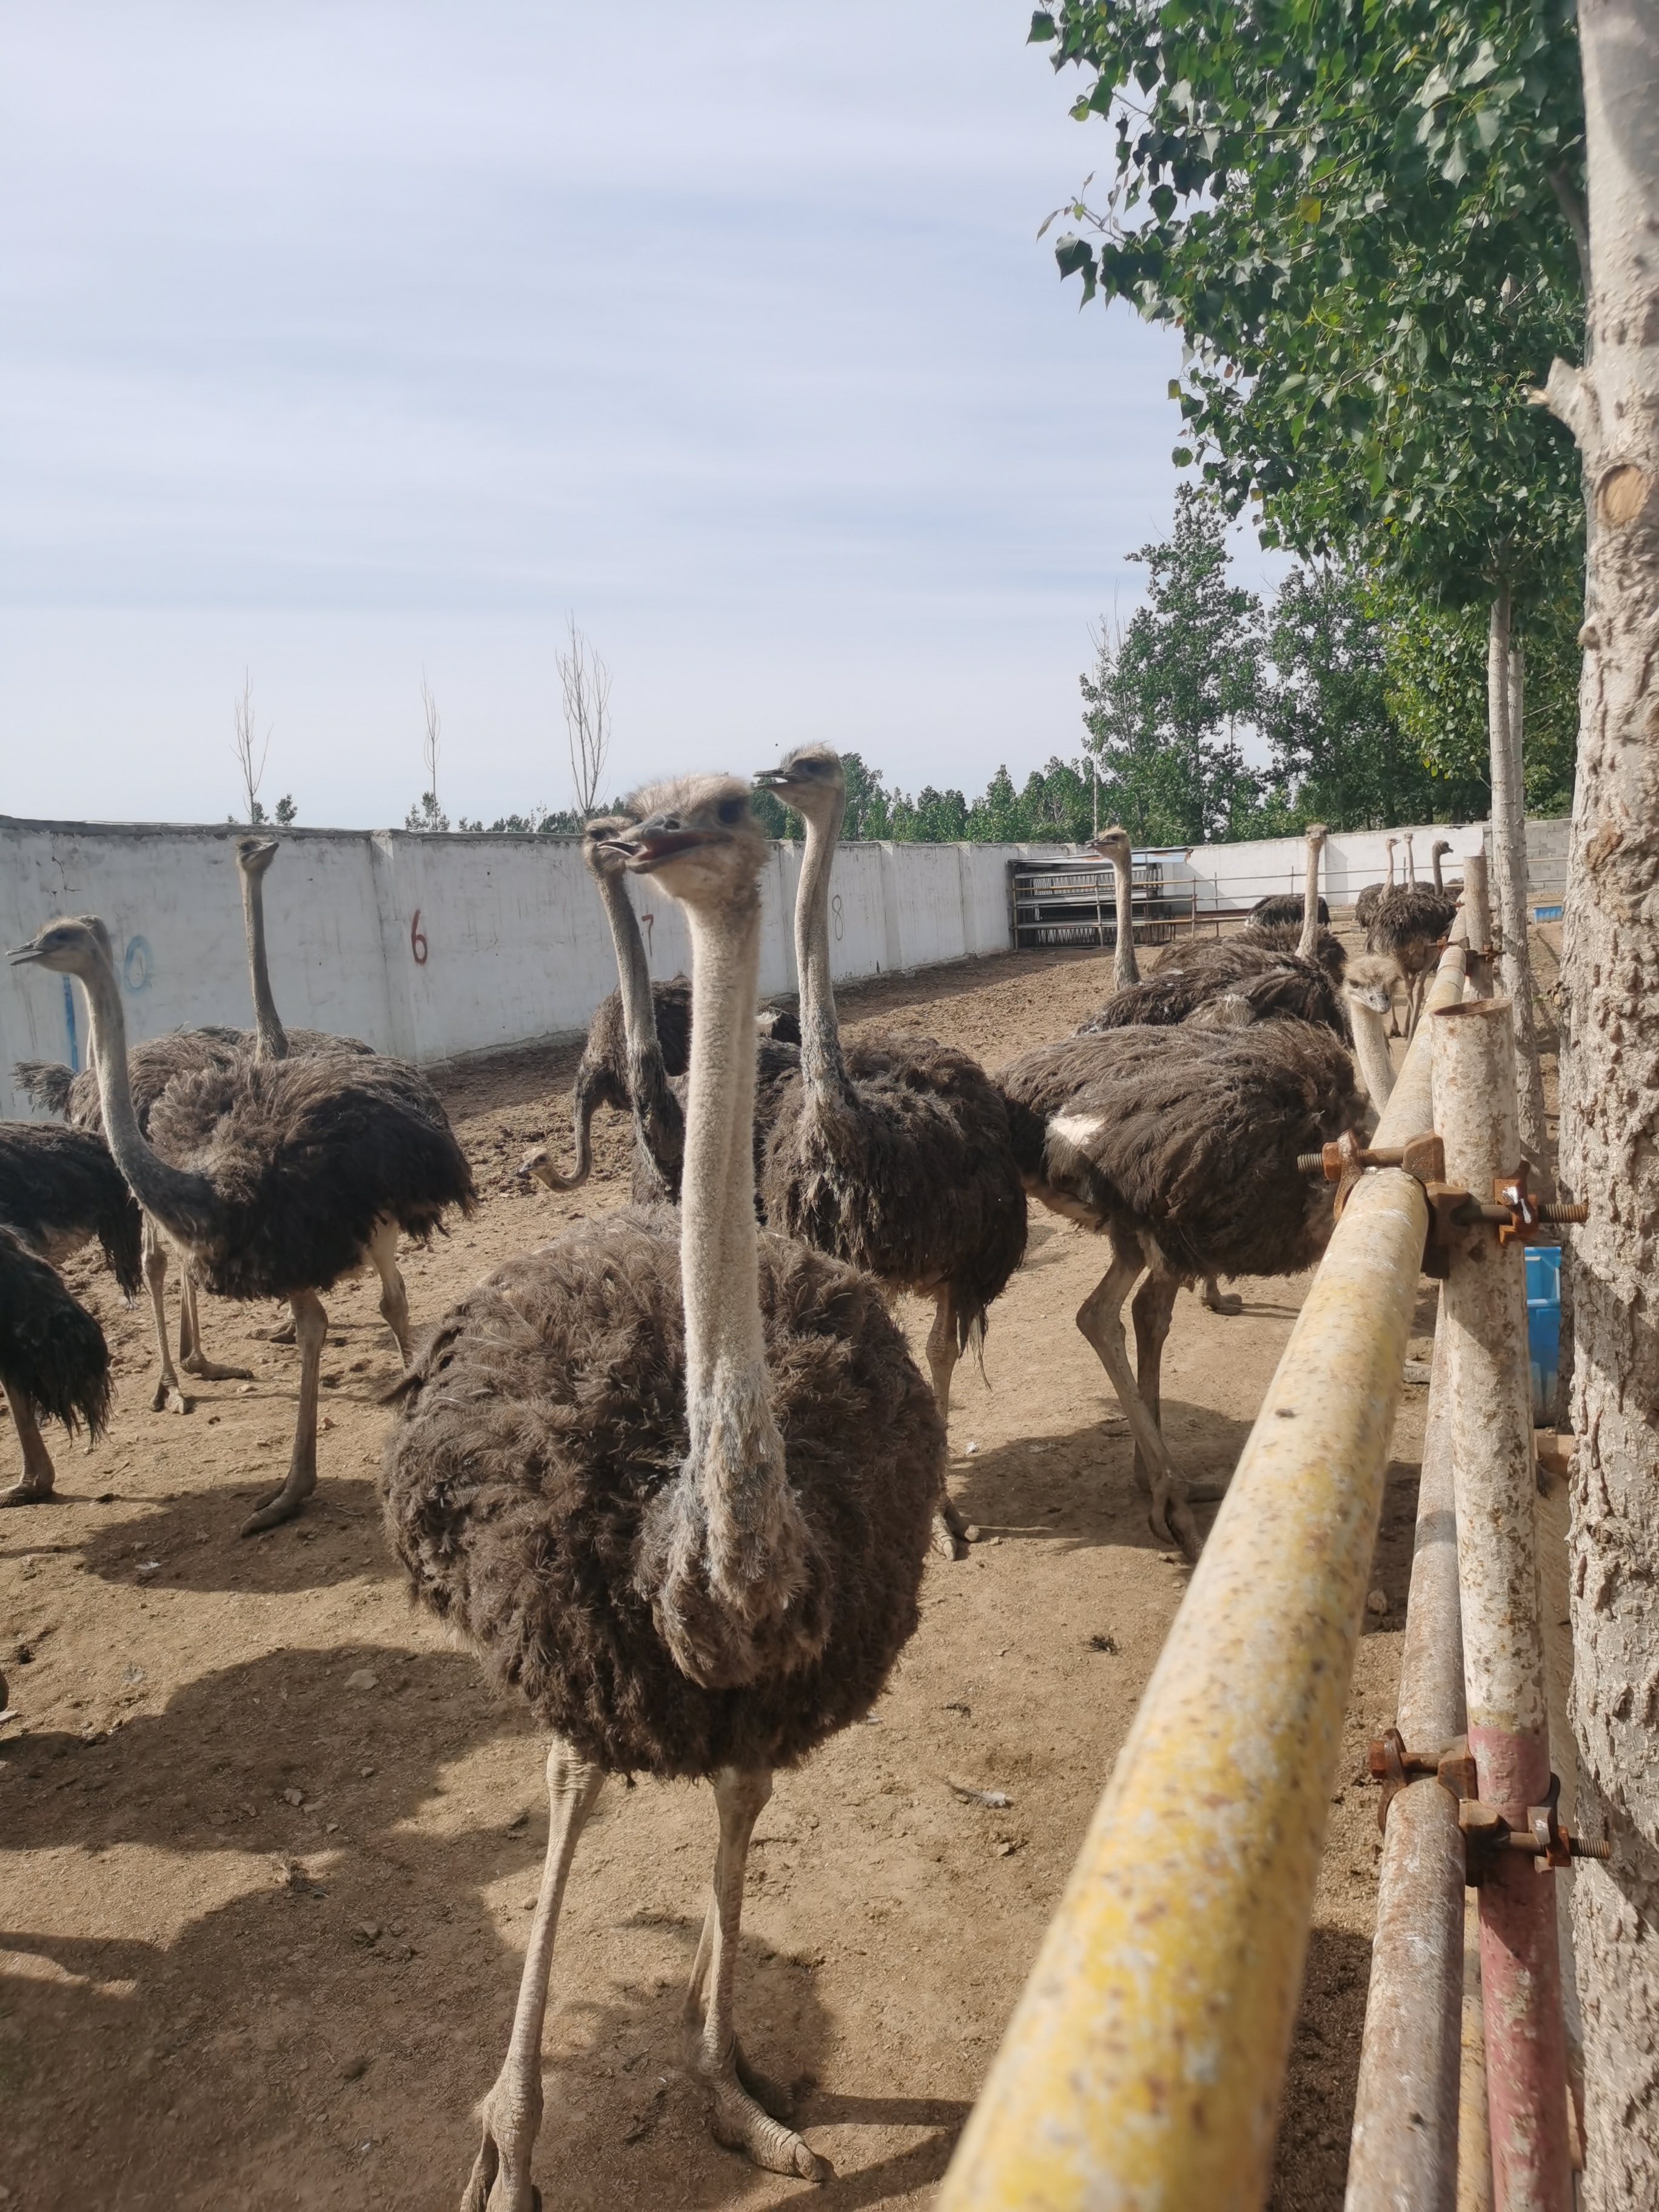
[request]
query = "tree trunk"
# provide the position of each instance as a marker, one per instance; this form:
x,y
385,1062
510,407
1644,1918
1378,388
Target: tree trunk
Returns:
x,y
1612,974
1509,855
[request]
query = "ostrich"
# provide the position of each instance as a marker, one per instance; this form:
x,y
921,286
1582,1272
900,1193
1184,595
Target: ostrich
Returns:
x,y
634,1059
1369,989
59,1189
672,1477
273,1179
1180,1144
894,1155
1308,910
1114,845
1365,905
53,1360
1409,925
1411,863
1446,890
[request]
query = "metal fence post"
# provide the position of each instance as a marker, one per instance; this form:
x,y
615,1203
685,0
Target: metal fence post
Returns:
x,y
1406,2106
1484,1317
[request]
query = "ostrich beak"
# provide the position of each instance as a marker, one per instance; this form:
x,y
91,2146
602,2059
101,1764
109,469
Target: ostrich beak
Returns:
x,y
21,955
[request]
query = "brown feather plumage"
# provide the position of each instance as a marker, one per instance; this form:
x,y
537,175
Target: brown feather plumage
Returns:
x,y
59,1188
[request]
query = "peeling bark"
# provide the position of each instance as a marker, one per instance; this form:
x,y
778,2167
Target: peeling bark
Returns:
x,y
1610,1111
1505,692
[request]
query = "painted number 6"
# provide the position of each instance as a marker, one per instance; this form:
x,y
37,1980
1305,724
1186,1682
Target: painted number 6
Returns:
x,y
417,940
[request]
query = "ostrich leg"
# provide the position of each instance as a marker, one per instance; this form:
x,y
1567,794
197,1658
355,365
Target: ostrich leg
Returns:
x,y
191,1358
1100,1317
950,1538
740,2120
1219,1301
1152,1311
169,1397
512,2112
311,1331
394,1298
34,1486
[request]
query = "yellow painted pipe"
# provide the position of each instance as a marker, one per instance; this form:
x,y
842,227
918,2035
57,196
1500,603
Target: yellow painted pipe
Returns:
x,y
1142,2069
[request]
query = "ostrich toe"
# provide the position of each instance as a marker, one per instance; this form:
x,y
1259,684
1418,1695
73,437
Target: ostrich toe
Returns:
x,y
209,1371
740,2122
950,1531
284,1334
170,1398
1220,1301
500,2180
281,1504
1172,1522
27,1492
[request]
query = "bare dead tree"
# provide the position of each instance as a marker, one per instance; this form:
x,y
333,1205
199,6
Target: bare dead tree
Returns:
x,y
429,815
250,752
585,682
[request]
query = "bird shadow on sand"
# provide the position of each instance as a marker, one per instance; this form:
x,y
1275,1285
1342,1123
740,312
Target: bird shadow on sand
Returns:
x,y
1078,1487
190,1542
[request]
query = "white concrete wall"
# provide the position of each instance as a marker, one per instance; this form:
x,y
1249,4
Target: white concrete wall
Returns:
x,y
435,948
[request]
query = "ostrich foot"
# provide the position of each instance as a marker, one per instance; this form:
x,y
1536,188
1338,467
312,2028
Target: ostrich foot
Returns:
x,y
950,1530
1171,1519
1219,1301
170,1398
500,2180
209,1371
282,1335
28,1492
739,2121
281,1504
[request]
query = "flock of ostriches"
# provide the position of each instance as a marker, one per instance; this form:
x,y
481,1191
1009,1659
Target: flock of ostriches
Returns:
x,y
676,1474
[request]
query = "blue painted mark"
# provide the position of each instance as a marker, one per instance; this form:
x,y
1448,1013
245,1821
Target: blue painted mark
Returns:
x,y
137,964
68,1024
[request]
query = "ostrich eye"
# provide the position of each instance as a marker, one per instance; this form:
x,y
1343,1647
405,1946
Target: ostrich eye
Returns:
x,y
730,811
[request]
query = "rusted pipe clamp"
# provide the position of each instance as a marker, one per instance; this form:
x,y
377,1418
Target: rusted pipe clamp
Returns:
x,y
1512,1210
1484,1829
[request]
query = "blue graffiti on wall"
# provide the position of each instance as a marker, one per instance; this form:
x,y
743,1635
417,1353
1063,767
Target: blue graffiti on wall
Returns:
x,y
137,964
68,1024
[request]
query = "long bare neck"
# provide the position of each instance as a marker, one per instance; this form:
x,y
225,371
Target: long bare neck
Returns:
x,y
1434,862
1411,866
823,1070
633,974
1126,968
1309,937
1371,1049
1390,867
272,1036
186,1204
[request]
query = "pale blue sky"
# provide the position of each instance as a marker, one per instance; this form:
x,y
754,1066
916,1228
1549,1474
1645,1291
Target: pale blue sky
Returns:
x,y
344,340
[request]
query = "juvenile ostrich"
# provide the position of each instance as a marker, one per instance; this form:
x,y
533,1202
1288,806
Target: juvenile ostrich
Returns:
x,y
1365,905
54,1361
672,1477
1310,911
639,1065
894,1154
273,1179
1180,1144
1368,988
1409,925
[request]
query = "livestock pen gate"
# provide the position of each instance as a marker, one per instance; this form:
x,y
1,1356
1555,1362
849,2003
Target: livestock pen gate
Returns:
x,y
1066,903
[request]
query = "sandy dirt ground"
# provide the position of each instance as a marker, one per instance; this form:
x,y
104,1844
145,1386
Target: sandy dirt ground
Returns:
x,y
268,1842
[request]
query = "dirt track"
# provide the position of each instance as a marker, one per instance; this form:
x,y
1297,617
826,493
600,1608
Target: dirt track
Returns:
x,y
269,1842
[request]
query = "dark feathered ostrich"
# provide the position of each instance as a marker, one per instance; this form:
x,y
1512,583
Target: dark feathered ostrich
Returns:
x,y
672,1478
639,1045
272,1178
1180,1144
59,1190
53,1362
1282,908
894,1155
1365,905
1409,925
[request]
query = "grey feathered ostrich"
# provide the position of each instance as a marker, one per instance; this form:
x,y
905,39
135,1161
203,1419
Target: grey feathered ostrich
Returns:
x,y
272,1178
1180,1146
894,1154
1446,890
1113,844
639,1044
1365,905
59,1190
1368,988
673,1478
53,1362
1409,925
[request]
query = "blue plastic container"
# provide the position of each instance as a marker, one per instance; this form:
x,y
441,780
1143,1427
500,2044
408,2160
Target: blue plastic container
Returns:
x,y
1546,914
1543,1326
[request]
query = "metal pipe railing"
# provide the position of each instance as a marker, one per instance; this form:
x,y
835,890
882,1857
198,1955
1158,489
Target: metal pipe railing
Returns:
x,y
1485,1320
1404,2150
1144,2061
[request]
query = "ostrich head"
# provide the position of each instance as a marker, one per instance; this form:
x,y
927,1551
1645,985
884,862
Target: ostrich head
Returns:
x,y
1370,982
80,947
255,854
1317,832
811,780
697,835
600,856
1112,844
1440,845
